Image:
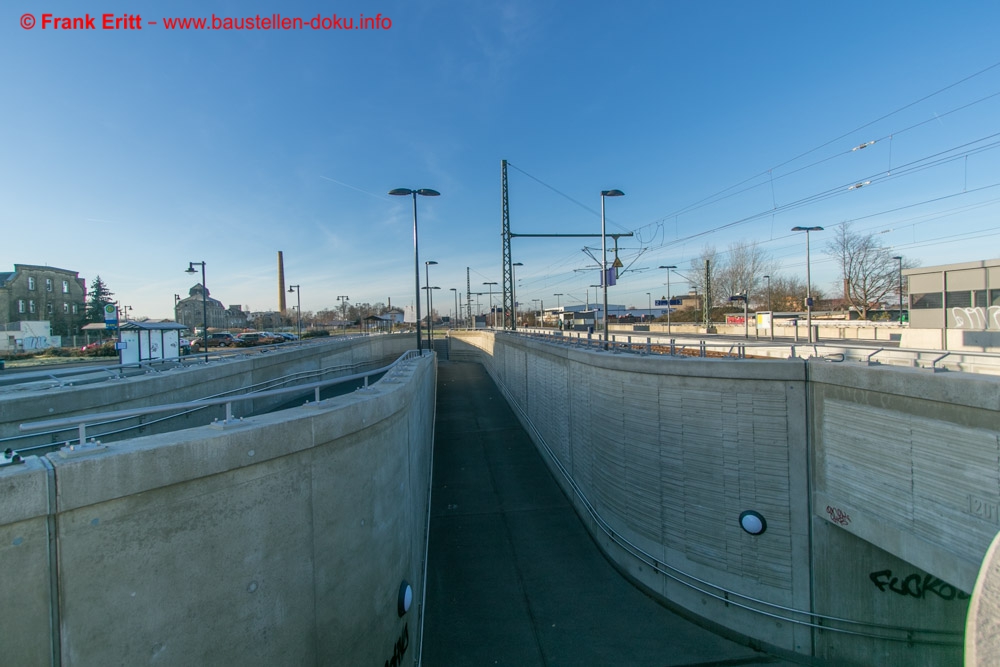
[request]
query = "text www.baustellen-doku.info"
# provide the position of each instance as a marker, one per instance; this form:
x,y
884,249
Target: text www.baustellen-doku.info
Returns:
x,y
87,21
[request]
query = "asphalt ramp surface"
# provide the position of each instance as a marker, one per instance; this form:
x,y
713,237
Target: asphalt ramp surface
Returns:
x,y
513,576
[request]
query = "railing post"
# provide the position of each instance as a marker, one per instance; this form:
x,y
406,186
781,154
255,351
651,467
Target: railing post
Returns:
x,y
649,345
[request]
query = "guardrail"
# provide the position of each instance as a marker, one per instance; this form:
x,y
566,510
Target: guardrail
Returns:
x,y
833,351
81,422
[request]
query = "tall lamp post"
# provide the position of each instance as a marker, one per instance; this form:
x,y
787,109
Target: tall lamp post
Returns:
x,y
513,296
669,296
493,319
204,305
604,258
768,279
424,192
809,296
298,297
455,290
900,260
430,315
343,309
427,281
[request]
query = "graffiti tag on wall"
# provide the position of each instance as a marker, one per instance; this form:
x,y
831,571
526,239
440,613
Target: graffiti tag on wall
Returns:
x,y
838,516
399,648
35,342
916,586
977,318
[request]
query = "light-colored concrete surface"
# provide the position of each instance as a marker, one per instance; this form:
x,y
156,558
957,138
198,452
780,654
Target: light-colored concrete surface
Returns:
x,y
283,540
660,456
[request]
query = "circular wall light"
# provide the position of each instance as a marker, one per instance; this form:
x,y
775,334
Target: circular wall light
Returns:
x,y
753,522
405,598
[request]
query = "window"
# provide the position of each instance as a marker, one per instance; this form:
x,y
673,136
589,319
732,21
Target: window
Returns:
x,y
65,287
31,306
48,284
74,309
979,298
20,305
961,299
925,301
66,309
48,308
31,283
995,297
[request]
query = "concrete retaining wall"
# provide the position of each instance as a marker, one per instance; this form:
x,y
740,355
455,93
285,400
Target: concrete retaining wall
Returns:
x,y
281,540
661,455
191,382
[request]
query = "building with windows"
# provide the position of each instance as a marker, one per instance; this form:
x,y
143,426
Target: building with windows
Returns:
x,y
961,301
33,293
189,311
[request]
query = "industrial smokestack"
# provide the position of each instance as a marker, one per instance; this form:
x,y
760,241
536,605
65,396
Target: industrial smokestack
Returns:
x,y
281,284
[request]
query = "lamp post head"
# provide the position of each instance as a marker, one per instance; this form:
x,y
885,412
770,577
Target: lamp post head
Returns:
x,y
405,192
668,267
612,193
190,268
517,264
429,262
898,258
807,229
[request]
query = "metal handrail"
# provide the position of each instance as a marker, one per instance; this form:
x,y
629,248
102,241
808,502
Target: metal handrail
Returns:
x,y
81,421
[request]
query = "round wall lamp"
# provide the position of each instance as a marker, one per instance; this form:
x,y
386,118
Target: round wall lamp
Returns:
x,y
753,522
405,598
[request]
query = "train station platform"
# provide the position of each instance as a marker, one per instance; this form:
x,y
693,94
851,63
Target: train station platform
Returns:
x,y
513,576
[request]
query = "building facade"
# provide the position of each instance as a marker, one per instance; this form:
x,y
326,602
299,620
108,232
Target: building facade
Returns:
x,y
33,293
191,311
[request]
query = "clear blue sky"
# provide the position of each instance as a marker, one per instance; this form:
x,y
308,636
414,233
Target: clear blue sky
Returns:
x,y
127,154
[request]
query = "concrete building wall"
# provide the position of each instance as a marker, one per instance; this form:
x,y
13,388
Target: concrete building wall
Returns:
x,y
879,486
282,540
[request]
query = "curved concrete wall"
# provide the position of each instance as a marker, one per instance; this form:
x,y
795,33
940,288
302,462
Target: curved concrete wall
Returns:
x,y
661,455
191,382
281,540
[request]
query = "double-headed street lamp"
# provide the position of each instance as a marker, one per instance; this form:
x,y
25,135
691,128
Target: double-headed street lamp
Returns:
x,y
670,298
604,258
455,290
298,298
427,281
493,319
809,297
204,305
424,192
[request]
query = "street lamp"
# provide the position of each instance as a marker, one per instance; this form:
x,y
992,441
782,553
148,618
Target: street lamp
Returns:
x,y
343,310
427,281
768,279
746,323
669,297
430,315
204,305
809,298
513,294
493,318
424,192
650,299
455,290
604,258
298,297
900,260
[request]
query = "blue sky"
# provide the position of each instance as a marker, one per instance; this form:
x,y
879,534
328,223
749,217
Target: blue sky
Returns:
x,y
127,154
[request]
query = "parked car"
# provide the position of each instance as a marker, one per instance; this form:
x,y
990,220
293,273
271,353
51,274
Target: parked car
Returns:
x,y
224,339
288,336
249,339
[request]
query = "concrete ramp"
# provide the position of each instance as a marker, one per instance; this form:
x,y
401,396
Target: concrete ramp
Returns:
x,y
513,576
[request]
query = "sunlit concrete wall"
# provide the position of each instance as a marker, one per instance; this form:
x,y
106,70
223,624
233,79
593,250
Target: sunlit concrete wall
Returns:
x,y
193,381
281,540
661,455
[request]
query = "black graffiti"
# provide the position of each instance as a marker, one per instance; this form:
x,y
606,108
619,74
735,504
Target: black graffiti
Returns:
x,y
916,586
399,649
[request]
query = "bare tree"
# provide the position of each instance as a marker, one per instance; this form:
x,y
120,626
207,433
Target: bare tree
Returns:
x,y
697,273
870,273
787,294
741,272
